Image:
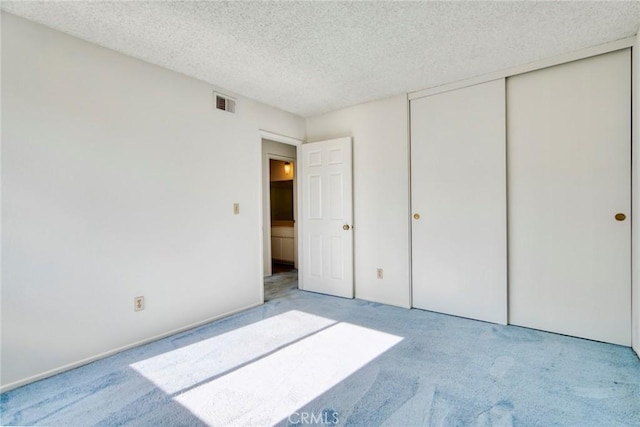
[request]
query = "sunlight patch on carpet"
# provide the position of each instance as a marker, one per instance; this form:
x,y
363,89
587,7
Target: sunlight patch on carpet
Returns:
x,y
272,388
177,370
260,374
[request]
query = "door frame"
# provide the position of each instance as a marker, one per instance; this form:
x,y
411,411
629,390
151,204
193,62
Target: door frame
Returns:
x,y
264,181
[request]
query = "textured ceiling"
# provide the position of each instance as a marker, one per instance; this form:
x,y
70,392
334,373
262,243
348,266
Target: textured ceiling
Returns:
x,y
313,57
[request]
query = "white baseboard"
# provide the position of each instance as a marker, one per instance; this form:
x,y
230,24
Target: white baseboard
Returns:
x,y
88,360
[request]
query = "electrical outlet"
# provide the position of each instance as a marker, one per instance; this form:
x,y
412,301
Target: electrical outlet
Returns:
x,y
380,273
236,208
138,303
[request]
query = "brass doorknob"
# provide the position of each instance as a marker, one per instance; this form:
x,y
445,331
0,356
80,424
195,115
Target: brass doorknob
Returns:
x,y
346,227
620,217
416,216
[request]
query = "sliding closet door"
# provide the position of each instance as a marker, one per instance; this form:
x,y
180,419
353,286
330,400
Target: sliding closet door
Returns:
x,y
458,185
569,198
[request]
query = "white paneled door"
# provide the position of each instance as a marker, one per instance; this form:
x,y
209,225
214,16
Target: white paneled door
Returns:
x,y
569,198
326,263
458,196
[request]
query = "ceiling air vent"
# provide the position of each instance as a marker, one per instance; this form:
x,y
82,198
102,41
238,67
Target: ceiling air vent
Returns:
x,y
224,102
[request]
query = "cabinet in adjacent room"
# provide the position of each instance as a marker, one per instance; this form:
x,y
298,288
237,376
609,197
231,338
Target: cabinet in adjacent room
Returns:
x,y
282,244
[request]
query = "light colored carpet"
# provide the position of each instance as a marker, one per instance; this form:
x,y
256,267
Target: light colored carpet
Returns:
x,y
304,358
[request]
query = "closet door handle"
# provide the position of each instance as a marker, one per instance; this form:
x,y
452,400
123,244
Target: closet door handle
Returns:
x,y
620,217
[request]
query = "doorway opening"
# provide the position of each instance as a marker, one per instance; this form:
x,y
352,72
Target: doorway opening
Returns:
x,y
282,217
280,248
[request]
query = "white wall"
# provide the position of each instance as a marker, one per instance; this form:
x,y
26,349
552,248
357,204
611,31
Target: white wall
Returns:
x,y
113,187
635,198
381,193
277,149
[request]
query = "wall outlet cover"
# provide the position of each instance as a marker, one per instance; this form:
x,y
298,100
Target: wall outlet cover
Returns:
x,y
138,303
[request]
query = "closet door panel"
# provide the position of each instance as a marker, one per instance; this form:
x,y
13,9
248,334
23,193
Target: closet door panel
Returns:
x,y
458,185
569,175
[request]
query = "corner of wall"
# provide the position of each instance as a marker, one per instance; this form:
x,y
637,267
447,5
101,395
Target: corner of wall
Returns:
x,y
635,197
